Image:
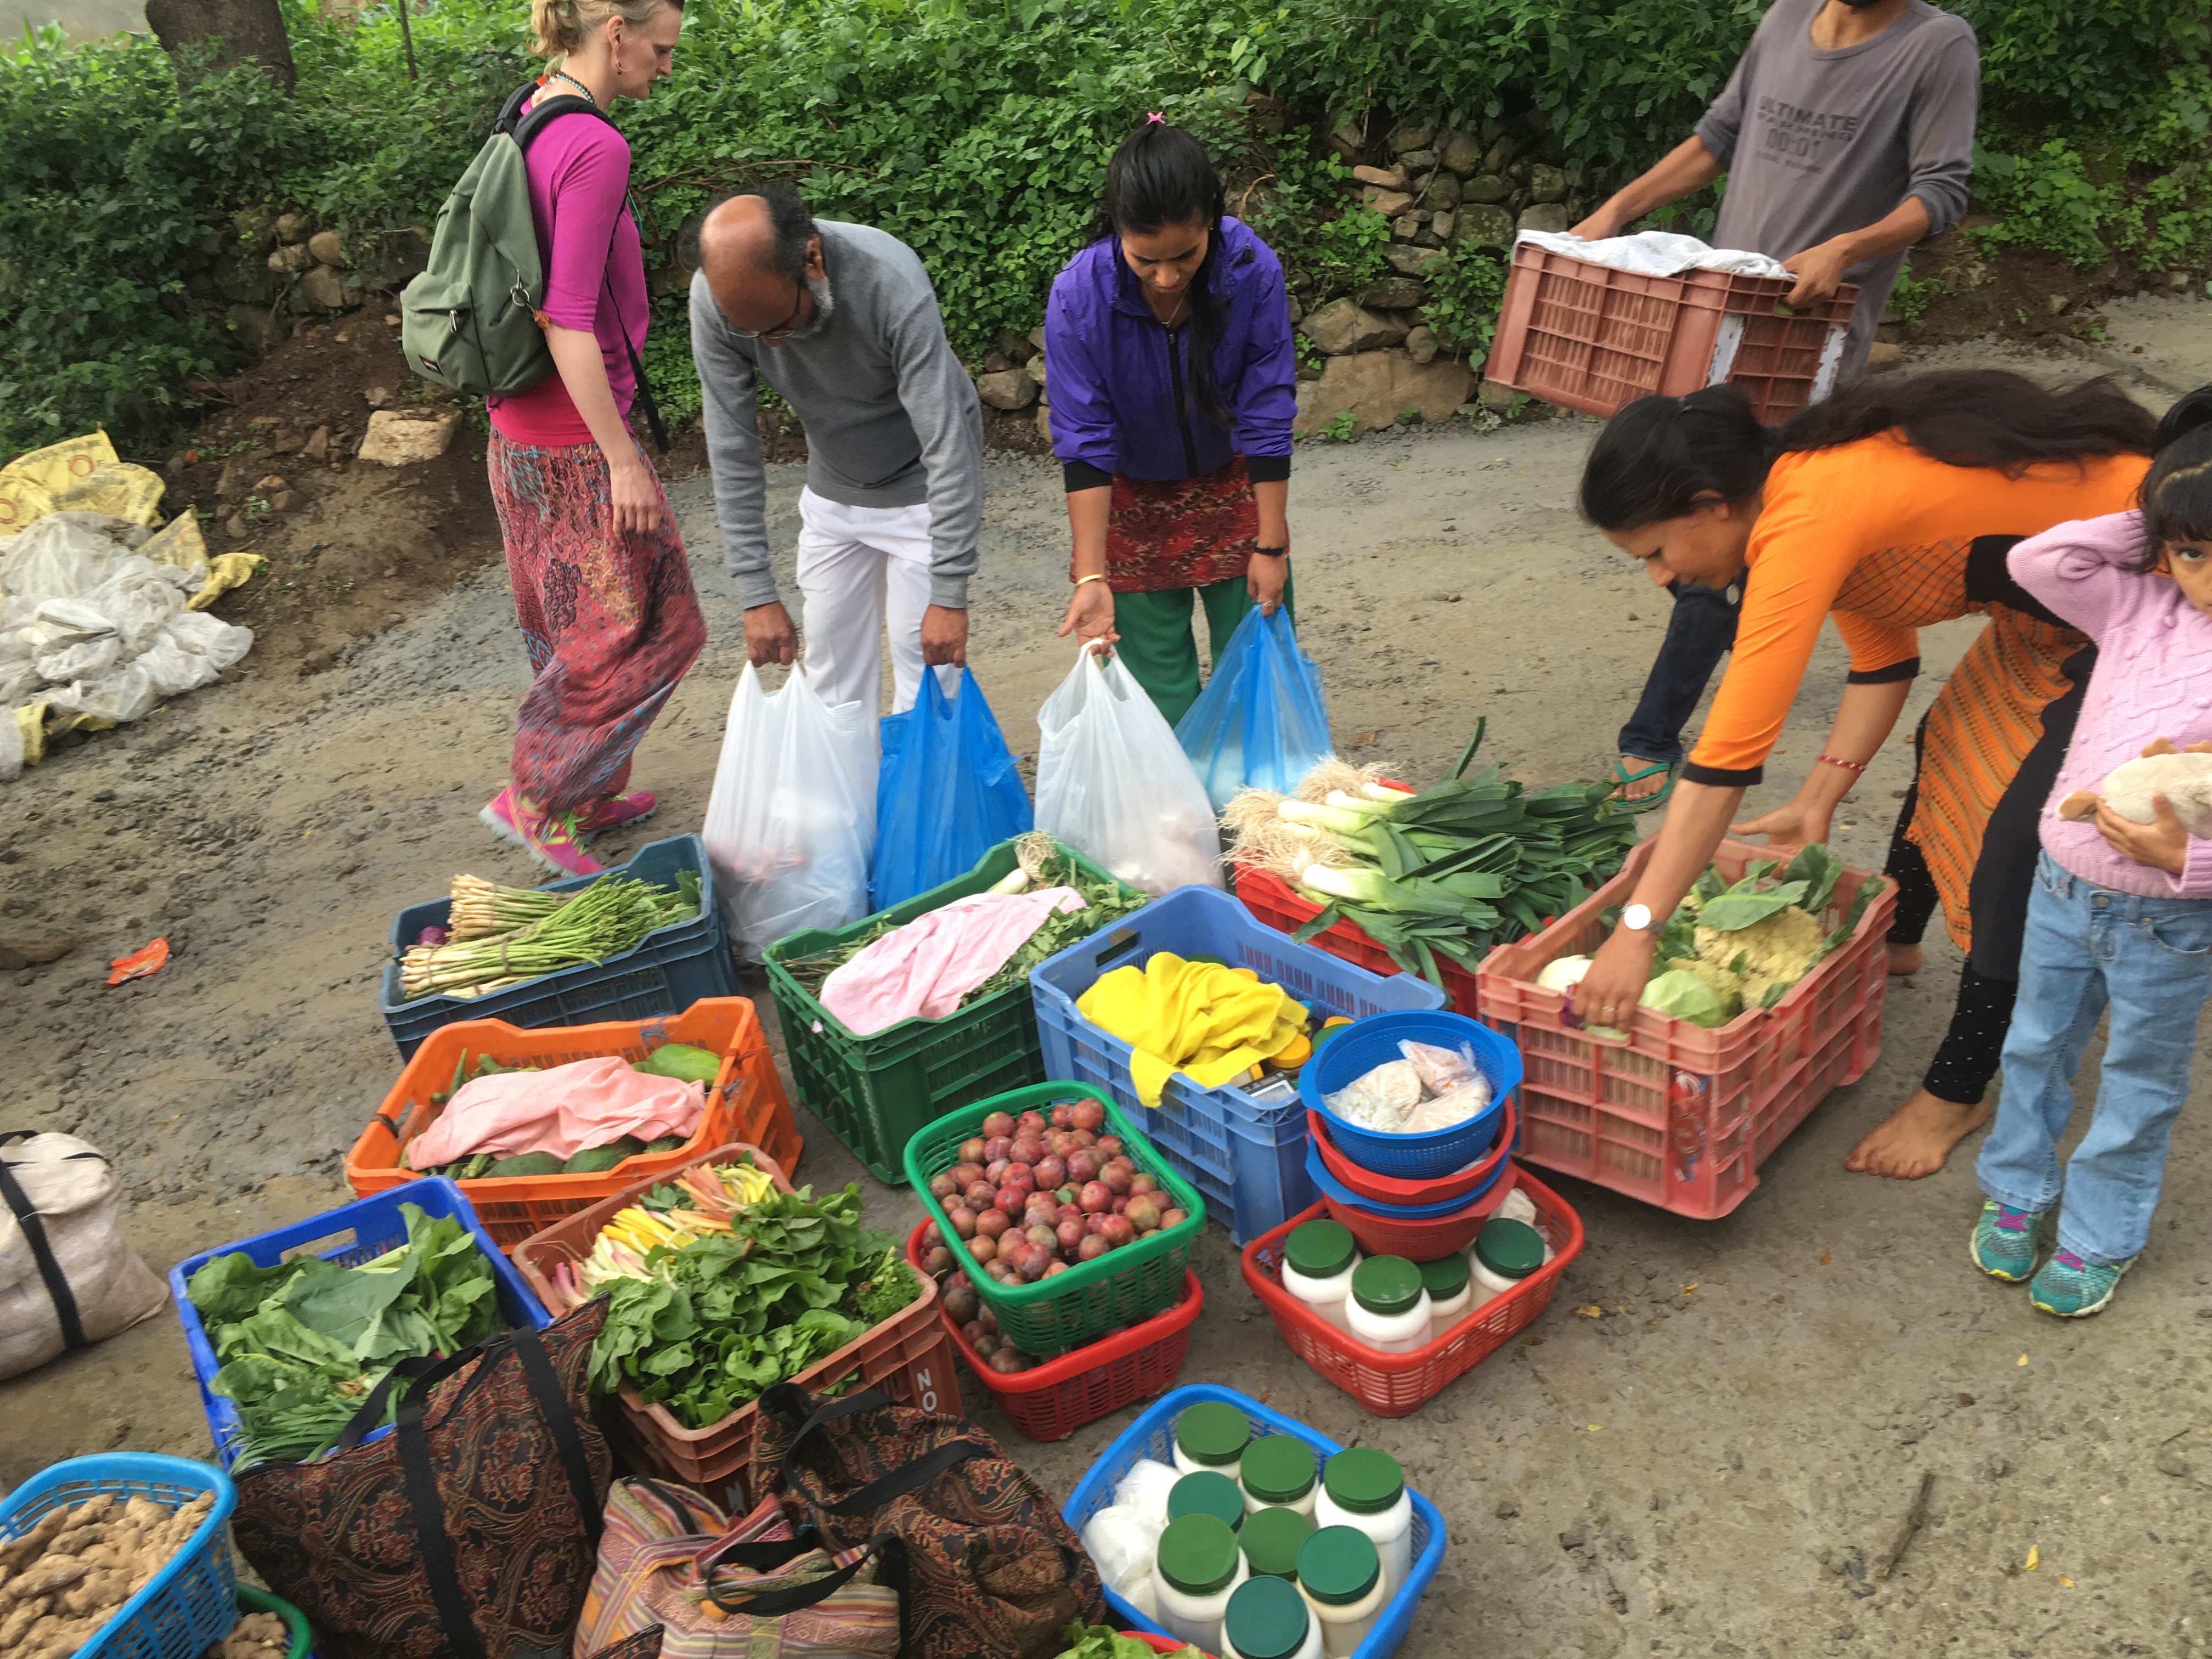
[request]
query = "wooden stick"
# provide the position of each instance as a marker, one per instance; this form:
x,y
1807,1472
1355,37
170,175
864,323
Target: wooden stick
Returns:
x,y
1913,1518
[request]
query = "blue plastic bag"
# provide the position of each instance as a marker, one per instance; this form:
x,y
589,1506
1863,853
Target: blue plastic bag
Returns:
x,y
948,793
1261,722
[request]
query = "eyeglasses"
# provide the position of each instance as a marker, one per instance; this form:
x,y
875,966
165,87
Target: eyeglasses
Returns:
x,y
797,304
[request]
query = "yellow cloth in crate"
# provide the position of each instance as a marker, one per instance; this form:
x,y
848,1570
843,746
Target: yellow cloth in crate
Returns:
x,y
1211,1024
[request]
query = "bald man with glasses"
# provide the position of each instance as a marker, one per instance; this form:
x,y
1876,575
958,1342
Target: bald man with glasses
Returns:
x,y
840,321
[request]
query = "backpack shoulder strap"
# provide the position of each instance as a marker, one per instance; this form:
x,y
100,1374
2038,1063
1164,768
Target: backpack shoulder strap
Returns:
x,y
524,126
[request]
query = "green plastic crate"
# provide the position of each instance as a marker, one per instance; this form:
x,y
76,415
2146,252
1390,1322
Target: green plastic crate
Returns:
x,y
1047,1319
875,1093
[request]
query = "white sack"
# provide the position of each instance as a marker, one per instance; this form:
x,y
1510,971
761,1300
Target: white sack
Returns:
x,y
75,1195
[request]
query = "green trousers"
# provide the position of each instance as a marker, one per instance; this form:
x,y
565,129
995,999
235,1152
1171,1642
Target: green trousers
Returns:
x,y
1159,643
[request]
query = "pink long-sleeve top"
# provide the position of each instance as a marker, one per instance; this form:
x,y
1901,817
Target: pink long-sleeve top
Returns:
x,y
578,170
2153,679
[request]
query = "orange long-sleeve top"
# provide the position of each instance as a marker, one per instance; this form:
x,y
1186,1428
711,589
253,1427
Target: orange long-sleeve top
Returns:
x,y
1875,533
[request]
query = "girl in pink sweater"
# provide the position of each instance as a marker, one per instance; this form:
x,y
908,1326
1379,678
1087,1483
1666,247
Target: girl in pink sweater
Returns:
x,y
2121,912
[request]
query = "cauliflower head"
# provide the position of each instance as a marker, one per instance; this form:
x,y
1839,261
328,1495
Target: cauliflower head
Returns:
x,y
1778,951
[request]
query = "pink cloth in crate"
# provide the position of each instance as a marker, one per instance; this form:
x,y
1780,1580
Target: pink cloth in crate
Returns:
x,y
561,1110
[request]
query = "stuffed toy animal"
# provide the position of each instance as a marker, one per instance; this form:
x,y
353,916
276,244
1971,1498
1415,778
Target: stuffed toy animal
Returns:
x,y
2184,776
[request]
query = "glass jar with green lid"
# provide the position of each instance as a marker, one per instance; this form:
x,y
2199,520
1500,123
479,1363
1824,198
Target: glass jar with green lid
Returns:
x,y
1318,1258
1446,1281
1211,1435
1271,1539
1279,1469
1268,1619
1342,1578
1206,1493
1389,1311
1365,1489
1198,1565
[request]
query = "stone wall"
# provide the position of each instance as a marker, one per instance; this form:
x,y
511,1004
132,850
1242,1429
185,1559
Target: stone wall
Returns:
x,y
278,271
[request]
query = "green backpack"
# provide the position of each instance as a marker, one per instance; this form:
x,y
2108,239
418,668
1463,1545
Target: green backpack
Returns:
x,y
470,321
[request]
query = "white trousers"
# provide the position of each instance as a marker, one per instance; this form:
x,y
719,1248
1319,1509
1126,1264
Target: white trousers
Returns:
x,y
858,568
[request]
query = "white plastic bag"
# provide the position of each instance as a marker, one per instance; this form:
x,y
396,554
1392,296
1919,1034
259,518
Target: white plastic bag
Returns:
x,y
792,822
1113,784
76,1195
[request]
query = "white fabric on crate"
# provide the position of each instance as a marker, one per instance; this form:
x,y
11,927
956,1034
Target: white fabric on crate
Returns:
x,y
1656,253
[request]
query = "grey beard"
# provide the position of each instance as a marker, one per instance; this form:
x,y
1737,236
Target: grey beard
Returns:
x,y
824,307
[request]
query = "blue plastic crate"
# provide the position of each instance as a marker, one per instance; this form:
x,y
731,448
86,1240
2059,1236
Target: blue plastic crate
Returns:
x,y
1247,1158
1153,1435
352,1233
1360,1048
664,973
190,1603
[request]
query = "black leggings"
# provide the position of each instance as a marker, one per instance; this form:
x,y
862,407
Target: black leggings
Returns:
x,y
1996,898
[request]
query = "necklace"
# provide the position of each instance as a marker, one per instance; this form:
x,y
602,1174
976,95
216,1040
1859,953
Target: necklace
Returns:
x,y
563,74
1169,322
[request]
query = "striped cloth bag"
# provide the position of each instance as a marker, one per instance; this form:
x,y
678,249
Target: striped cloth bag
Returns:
x,y
671,1560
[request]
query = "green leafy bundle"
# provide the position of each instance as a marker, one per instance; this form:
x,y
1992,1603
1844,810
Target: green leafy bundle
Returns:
x,y
602,919
303,1342
729,1315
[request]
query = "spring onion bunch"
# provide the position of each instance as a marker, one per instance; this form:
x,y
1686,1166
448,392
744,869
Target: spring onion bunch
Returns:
x,y
603,919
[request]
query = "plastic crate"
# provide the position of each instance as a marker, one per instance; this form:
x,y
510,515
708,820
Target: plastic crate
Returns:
x,y
1052,1400
1680,1116
664,973
1395,1384
349,1235
1591,337
745,1102
873,1092
1273,900
1246,1157
1153,1435
908,1357
253,1600
1053,1315
192,1602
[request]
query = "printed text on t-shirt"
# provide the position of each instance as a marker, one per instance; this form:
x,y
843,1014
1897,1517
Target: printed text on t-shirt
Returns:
x,y
1796,136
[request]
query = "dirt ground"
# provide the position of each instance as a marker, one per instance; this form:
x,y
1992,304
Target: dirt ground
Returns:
x,y
1714,1463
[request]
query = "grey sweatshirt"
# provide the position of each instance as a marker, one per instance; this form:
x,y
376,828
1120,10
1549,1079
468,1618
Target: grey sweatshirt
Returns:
x,y
890,416
1817,143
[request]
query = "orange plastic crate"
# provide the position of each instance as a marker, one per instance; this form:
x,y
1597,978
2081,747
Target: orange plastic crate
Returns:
x,y
745,1102
1678,1115
1591,337
909,1356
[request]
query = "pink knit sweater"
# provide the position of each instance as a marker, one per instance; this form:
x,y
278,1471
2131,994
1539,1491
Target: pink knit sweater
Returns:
x,y
2153,680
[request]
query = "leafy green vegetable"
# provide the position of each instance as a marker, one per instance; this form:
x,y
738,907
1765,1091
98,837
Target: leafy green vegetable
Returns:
x,y
1743,905
1104,1641
1682,994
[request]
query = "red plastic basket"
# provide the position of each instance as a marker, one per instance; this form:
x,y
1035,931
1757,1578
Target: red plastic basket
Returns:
x,y
1160,1643
1051,1400
1678,1115
1419,1240
1394,1384
1390,1189
1271,900
1594,338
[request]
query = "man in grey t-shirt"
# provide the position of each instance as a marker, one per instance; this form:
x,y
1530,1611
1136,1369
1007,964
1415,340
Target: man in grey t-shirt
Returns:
x,y
1847,134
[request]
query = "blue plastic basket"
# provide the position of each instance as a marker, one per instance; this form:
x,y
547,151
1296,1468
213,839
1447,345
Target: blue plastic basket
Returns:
x,y
352,1233
664,973
1361,1046
1329,1187
1247,1158
1153,1435
190,1602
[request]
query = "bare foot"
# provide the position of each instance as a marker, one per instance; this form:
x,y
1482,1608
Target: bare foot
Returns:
x,y
1641,787
1906,958
1914,1140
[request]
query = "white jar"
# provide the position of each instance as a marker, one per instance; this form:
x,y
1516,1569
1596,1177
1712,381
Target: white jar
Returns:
x,y
1449,1297
1198,1568
1318,1259
1365,1489
1505,1253
1340,1576
1279,1471
1211,1435
1517,1205
1387,1309
1268,1619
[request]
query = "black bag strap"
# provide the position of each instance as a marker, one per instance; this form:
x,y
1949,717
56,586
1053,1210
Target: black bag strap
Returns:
x,y
425,1370
907,1477
42,1251
797,1598
538,1377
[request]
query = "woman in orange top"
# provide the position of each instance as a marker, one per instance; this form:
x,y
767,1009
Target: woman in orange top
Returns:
x,y
1890,508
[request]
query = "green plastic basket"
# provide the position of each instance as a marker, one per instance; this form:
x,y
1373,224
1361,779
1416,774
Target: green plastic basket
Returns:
x,y
875,1093
1047,1319
251,1600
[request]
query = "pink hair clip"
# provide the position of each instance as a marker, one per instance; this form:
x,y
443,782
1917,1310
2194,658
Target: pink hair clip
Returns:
x,y
1155,115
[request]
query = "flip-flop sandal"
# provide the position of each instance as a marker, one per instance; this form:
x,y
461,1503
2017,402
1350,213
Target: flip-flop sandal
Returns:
x,y
1622,777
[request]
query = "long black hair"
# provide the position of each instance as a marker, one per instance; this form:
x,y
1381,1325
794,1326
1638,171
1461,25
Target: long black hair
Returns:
x,y
1160,176
2177,491
1659,456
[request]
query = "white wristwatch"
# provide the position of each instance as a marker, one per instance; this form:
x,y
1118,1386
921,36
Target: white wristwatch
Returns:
x,y
1636,918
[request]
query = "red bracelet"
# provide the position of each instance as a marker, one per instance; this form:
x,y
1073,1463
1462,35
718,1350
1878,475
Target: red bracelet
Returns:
x,y
1847,766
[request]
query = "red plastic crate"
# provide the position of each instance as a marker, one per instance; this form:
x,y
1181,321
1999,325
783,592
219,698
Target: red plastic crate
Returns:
x,y
1594,338
1052,1400
1272,899
1678,1115
1395,1384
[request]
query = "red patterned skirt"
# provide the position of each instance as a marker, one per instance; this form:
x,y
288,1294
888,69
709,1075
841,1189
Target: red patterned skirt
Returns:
x,y
1163,533
610,621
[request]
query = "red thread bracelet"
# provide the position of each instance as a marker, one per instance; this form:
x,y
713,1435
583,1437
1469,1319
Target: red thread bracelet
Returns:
x,y
1847,766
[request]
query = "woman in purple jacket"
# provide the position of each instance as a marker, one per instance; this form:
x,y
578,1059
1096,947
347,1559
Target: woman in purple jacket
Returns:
x,y
1172,386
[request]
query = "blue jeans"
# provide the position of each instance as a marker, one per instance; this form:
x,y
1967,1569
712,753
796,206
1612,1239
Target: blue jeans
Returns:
x,y
2151,959
1699,632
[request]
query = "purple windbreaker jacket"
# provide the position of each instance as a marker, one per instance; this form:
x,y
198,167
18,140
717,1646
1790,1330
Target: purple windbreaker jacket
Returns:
x,y
1119,385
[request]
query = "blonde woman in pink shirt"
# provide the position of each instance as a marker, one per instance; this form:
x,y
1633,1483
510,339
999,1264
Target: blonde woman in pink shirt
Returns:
x,y
2121,915
602,588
